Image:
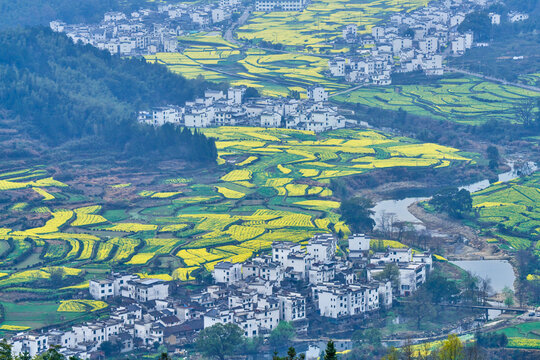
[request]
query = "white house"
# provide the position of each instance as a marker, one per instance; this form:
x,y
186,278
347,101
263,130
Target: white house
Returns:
x,y
359,245
495,18
270,119
227,273
337,67
317,94
517,16
146,289
32,343
292,306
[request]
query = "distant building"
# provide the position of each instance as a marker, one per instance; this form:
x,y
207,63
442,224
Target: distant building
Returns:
x,y
279,5
517,16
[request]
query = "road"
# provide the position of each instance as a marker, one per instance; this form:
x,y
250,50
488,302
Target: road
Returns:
x,y
494,79
228,36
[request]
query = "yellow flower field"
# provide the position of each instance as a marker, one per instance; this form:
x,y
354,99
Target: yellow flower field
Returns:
x,y
81,305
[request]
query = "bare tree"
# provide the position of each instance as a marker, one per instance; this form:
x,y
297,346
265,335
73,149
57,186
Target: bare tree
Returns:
x,y
524,111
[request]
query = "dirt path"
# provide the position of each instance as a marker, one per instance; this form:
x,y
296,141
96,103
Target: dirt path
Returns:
x,y
474,248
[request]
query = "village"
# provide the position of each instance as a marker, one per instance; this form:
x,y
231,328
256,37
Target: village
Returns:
x,y
148,31
234,108
415,41
293,283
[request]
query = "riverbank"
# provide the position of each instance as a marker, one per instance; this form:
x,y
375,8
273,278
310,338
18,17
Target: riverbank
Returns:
x,y
460,241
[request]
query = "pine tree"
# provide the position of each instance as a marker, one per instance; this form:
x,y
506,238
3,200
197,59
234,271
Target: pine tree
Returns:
x,y
330,352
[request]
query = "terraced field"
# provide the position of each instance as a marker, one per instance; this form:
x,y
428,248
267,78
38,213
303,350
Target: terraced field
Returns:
x,y
276,74
512,212
461,99
321,21
271,185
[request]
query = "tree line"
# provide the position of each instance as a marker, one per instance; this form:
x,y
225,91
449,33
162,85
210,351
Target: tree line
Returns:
x,y
63,92
40,12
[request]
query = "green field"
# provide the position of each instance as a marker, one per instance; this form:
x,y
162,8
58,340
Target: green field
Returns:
x,y
270,185
524,336
34,314
467,100
512,211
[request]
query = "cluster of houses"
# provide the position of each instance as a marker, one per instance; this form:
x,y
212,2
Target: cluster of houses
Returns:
x,y
148,31
232,108
293,283
418,40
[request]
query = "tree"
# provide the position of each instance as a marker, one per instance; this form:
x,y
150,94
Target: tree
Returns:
x,y
330,353
493,156
371,336
390,273
524,111
57,275
26,356
282,334
110,348
164,356
5,350
219,340
479,23
356,212
291,355
451,349
51,354
452,201
491,340
393,354
508,296
251,92
419,307
440,287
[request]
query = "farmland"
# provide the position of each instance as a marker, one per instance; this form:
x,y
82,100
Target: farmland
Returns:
x,y
466,100
272,185
463,99
510,212
274,73
269,185
321,21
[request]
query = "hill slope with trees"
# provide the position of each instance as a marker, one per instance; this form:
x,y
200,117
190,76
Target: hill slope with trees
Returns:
x,y
59,92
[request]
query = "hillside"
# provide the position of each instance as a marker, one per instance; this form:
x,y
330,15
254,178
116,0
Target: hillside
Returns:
x,y
59,92
40,12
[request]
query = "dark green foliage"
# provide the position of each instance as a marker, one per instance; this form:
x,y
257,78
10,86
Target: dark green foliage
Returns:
x,y
220,340
40,12
291,355
452,201
164,356
390,273
62,92
357,214
330,353
419,307
5,350
440,287
251,92
282,334
479,23
491,340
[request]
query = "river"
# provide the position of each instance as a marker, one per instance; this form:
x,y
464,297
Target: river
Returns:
x,y
398,208
498,272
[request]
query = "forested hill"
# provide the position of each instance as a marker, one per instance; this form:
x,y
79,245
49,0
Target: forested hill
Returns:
x,y
15,13
60,91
